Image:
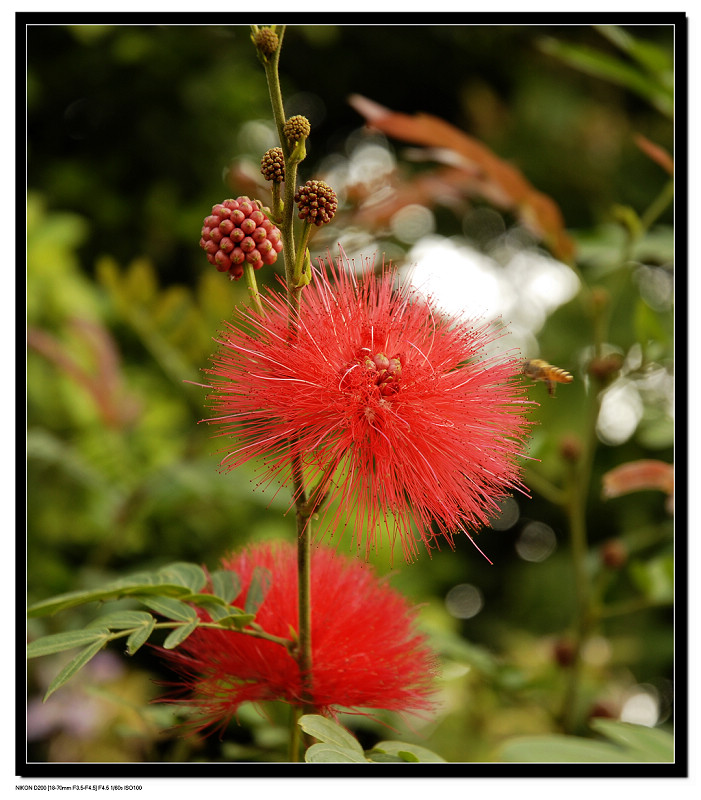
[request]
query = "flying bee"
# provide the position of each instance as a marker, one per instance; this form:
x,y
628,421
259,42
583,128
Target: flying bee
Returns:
x,y
542,371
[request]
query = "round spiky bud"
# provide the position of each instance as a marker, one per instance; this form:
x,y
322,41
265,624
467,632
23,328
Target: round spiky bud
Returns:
x,y
296,128
603,368
564,652
317,202
613,553
238,231
571,447
267,41
272,165
600,298
602,708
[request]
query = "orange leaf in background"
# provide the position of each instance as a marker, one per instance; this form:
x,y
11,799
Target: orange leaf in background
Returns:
x,y
424,188
486,174
637,476
658,154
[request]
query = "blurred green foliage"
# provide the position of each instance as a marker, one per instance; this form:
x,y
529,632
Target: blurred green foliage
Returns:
x,y
133,133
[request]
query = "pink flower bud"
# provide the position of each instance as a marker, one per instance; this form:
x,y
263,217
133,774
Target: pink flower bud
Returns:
x,y
238,230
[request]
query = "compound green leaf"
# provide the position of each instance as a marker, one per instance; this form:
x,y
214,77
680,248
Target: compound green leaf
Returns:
x,y
170,608
655,578
648,325
140,636
654,58
77,663
176,580
120,620
601,65
385,758
557,749
204,600
225,614
329,732
332,753
183,574
257,589
136,585
629,744
58,642
650,744
238,620
226,584
179,634
408,752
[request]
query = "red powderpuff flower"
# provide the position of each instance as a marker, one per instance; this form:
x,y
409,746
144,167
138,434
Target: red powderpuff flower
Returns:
x,y
366,651
397,410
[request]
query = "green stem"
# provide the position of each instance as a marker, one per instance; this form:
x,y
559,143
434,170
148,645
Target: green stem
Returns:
x,y
250,274
304,643
277,203
271,74
589,611
288,239
256,632
295,735
643,223
658,205
631,607
319,492
553,494
293,156
578,488
304,574
301,253
287,224
578,543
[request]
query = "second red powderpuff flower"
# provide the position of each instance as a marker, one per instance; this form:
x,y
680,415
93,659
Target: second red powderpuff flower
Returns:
x,y
366,650
397,411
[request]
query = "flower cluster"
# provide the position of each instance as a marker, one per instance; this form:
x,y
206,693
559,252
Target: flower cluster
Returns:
x,y
317,202
272,165
238,231
296,128
366,650
397,413
267,41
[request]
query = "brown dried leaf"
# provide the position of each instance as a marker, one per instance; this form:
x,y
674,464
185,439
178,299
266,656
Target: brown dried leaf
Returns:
x,y
486,175
444,185
657,153
637,476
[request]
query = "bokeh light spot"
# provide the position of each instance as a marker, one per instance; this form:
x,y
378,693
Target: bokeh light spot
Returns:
x,y
507,517
412,223
256,136
620,412
642,707
464,601
536,542
463,280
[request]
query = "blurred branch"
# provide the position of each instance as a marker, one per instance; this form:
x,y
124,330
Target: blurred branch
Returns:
x,y
631,607
601,65
545,488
